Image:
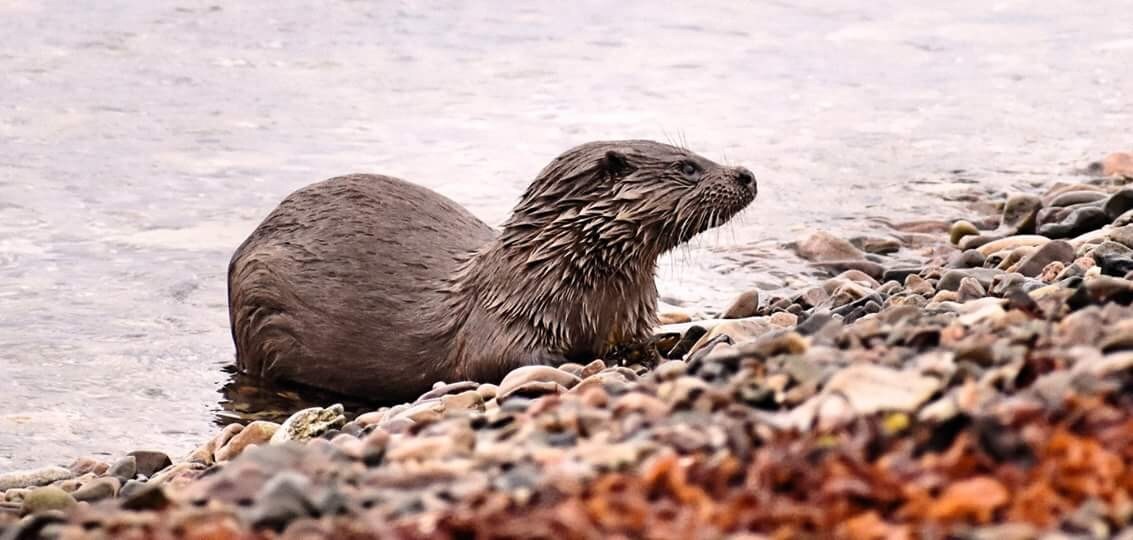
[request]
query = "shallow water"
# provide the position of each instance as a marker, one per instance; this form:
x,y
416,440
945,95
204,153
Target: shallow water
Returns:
x,y
141,141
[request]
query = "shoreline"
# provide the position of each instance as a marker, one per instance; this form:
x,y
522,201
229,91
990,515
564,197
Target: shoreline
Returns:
x,y
980,393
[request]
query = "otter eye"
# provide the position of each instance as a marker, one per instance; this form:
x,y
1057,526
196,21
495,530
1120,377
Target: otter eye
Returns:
x,y
689,168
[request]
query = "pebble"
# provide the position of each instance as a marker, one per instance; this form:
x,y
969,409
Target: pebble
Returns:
x,y
1054,251
520,377
1080,221
309,423
149,462
125,468
825,247
1019,213
46,498
97,489
34,477
1115,164
745,305
959,230
1012,242
255,433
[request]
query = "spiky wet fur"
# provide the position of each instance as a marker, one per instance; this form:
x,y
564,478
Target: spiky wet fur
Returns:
x,y
573,270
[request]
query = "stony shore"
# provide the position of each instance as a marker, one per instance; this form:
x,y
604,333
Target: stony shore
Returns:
x,y
982,391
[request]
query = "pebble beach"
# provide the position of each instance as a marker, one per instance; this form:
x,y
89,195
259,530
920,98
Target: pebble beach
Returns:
x,y
961,378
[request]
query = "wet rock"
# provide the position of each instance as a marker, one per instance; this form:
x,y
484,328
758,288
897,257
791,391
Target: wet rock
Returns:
x,y
951,279
879,246
1012,242
824,247
971,258
1118,203
309,423
143,496
1019,214
1122,235
863,389
1113,258
34,477
97,489
124,469
1054,251
446,389
959,230
86,465
470,400
1080,221
535,374
970,289
149,462
870,268
46,498
745,305
282,500
1072,198
256,433
900,274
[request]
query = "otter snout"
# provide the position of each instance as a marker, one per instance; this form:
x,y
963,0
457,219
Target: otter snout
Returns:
x,y
746,179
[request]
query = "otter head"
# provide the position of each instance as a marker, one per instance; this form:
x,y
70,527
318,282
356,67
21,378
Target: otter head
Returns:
x,y
607,208
572,272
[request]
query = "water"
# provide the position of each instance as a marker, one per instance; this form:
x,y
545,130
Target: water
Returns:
x,y
141,141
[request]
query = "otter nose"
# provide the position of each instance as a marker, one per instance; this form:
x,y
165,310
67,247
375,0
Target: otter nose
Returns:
x,y
745,178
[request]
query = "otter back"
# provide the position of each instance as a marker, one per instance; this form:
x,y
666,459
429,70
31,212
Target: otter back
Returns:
x,y
331,289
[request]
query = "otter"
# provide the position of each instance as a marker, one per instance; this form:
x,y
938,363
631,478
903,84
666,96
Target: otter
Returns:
x,y
374,287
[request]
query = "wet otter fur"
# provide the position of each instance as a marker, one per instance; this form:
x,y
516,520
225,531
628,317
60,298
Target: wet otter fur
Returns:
x,y
374,287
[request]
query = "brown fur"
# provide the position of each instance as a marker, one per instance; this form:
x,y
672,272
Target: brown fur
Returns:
x,y
371,286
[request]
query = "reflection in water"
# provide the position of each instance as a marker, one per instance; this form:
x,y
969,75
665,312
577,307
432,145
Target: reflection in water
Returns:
x,y
247,399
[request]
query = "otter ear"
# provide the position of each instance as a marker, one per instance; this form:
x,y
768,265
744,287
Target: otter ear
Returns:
x,y
616,164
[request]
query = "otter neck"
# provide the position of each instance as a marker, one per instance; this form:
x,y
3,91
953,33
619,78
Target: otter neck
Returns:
x,y
557,292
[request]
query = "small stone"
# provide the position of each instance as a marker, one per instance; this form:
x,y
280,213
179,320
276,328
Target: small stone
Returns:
x,y
370,418
1118,203
1052,271
1019,213
488,391
34,477
1012,242
592,368
670,370
783,319
86,465
282,500
256,433
124,469
528,374
959,230
1080,221
97,489
46,498
1072,198
464,401
971,258
970,289
149,462
1054,251
745,305
309,423
879,246
823,247
143,496
863,389
1122,235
